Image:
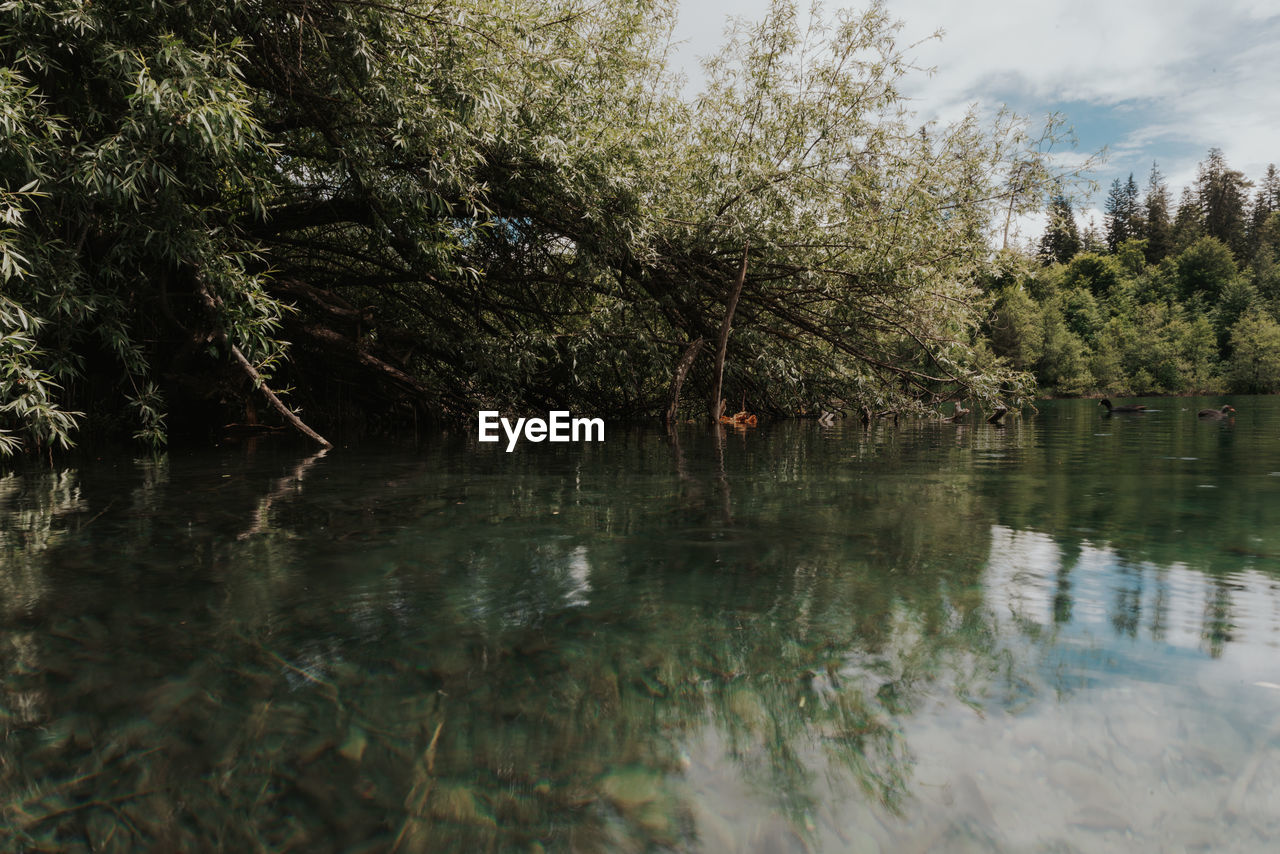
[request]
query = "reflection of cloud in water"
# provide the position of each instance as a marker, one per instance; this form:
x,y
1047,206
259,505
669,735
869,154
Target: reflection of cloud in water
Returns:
x,y
579,578
1126,710
1148,723
1032,579
1022,562
1128,766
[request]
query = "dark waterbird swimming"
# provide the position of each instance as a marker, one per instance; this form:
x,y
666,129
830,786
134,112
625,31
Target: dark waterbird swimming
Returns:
x,y
1219,414
1128,407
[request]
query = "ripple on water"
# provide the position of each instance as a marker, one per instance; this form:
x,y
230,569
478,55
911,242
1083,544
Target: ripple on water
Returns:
x,y
1026,640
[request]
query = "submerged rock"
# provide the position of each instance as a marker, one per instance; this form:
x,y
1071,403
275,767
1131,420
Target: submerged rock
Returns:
x,y
628,789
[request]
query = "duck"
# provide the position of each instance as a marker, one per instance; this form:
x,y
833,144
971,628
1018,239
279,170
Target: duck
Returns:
x,y
1217,413
960,412
1128,407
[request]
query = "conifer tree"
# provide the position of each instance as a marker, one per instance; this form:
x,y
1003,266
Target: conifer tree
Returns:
x,y
1222,192
1188,222
1090,239
1061,239
1122,216
1135,210
1270,188
1113,218
1159,230
1265,202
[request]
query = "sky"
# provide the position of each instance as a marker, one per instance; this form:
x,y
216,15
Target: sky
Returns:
x,y
1151,80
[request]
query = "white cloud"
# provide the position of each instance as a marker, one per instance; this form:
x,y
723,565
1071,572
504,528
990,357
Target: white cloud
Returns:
x,y
1159,80
1076,52
1207,71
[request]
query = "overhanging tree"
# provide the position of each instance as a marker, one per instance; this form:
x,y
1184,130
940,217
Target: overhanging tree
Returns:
x,y
422,209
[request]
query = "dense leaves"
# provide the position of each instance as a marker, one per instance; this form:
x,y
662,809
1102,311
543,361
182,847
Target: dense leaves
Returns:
x,y
416,210
1168,307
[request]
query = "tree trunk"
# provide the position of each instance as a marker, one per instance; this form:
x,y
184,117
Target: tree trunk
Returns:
x,y
717,405
285,412
211,302
691,351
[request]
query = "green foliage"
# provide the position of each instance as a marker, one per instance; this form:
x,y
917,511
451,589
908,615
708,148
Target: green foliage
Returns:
x,y
1016,330
1098,273
1152,349
1213,207
1061,239
1123,214
126,139
1062,365
1106,364
1266,203
1158,232
1222,193
1200,356
1205,269
1239,298
453,205
1083,315
1132,256
1110,324
1255,354
1158,310
29,413
1188,222
1157,283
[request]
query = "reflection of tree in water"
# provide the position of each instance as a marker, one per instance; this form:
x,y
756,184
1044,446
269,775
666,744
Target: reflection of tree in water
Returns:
x,y
1144,500
302,657
471,651
1218,623
1126,609
1037,582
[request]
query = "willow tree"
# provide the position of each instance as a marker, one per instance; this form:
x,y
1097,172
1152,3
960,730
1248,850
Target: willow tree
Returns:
x,y
866,230
178,176
121,144
424,208
140,155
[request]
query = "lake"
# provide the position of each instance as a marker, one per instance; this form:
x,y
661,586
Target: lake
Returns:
x,y
1058,635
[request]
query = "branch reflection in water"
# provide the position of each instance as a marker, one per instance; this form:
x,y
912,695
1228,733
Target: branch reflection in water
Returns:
x,y
801,638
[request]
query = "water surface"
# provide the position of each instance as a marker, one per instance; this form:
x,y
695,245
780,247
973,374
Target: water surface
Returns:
x,y
1060,635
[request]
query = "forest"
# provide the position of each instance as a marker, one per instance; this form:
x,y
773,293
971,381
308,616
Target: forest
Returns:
x,y
358,217
1160,300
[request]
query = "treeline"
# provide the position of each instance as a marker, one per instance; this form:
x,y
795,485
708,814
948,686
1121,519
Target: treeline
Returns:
x,y
1161,299
400,212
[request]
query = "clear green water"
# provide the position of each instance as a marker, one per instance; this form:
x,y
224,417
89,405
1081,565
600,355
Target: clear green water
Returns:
x,y
1056,636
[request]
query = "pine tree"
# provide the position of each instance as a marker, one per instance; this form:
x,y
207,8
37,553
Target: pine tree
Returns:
x,y
1159,231
1265,202
1222,191
1122,216
1134,210
1061,239
1271,187
1090,239
1113,218
1188,222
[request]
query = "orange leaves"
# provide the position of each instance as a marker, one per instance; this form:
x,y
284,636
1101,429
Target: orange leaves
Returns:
x,y
742,419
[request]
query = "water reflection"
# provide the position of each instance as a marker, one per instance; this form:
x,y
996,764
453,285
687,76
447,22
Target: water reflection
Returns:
x,y
940,637
1032,578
